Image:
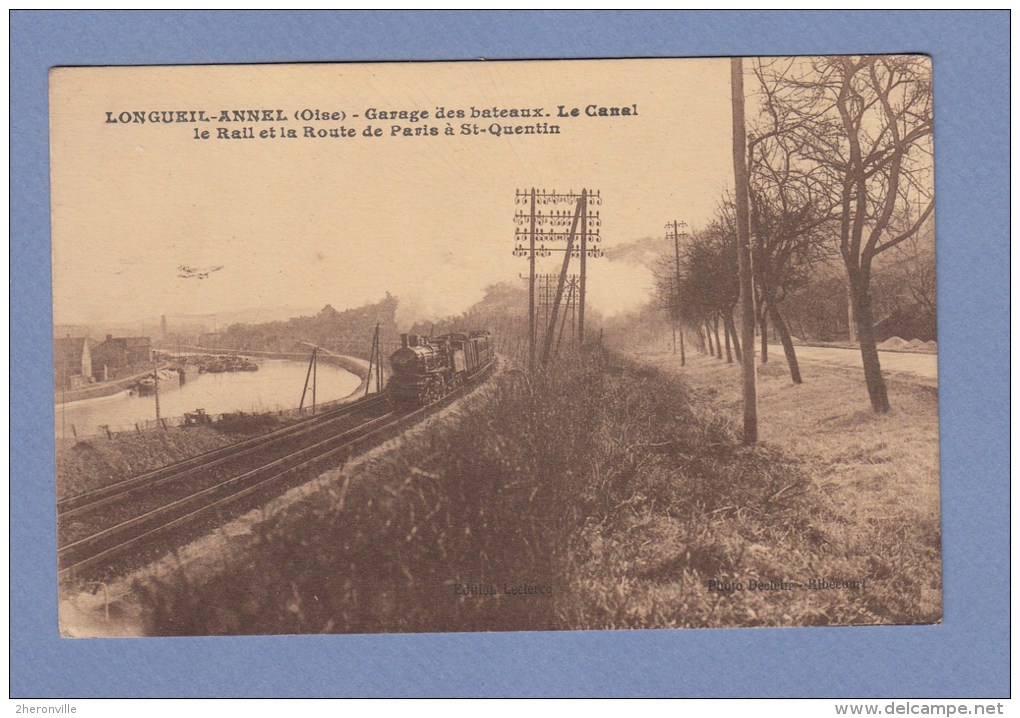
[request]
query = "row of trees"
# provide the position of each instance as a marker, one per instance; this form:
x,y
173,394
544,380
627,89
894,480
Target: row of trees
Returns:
x,y
839,158
349,331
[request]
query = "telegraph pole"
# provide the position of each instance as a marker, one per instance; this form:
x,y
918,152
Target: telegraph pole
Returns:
x,y
371,361
744,250
63,395
568,304
155,385
378,362
584,265
549,225
308,376
674,233
569,307
578,215
531,289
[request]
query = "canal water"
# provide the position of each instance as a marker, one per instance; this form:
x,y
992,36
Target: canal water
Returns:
x,y
276,385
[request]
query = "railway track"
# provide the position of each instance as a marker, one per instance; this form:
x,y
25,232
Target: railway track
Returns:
x,y
259,445
97,527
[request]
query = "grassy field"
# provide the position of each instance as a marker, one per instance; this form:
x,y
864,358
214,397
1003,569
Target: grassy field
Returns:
x,y
876,476
603,494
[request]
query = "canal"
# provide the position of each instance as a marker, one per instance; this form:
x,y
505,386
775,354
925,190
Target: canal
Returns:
x,y
275,386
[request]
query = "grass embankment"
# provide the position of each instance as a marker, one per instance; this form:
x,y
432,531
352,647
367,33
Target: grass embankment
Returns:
x,y
878,474
609,488
96,462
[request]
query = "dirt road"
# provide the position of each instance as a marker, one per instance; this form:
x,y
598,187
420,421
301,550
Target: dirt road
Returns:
x,y
908,365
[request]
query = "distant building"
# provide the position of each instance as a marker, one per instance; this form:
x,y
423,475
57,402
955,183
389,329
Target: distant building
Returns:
x,y
119,356
72,362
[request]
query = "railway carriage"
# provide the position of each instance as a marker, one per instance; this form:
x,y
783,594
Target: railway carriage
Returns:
x,y
427,368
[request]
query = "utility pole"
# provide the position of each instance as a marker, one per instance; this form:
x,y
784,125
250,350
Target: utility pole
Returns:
x,y
315,376
573,310
673,231
308,375
549,225
547,298
371,362
584,265
63,394
744,250
570,305
561,282
155,384
378,362
531,289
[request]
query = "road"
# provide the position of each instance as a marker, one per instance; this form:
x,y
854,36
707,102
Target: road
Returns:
x,y
922,366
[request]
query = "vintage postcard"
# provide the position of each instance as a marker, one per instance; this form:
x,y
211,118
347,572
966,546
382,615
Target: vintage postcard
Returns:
x,y
495,346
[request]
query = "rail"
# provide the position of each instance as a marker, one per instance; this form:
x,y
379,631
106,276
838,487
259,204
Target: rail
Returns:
x,y
79,554
71,505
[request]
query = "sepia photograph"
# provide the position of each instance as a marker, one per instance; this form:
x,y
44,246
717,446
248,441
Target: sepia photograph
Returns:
x,y
543,345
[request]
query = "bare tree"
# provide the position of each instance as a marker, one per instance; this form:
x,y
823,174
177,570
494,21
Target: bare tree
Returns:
x,y
708,284
863,127
791,216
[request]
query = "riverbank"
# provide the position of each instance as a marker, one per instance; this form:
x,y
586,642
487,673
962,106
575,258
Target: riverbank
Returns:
x,y
354,365
277,387
124,446
98,390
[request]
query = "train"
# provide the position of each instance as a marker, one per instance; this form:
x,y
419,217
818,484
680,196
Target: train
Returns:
x,y
425,369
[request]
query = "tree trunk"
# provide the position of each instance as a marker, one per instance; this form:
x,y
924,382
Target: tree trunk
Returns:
x,y
799,329
726,332
850,318
869,352
708,333
683,352
784,337
718,345
744,265
728,318
764,330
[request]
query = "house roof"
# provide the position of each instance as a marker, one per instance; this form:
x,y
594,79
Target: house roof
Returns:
x,y
129,341
69,349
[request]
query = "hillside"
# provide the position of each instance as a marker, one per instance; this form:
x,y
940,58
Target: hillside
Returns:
x,y
348,331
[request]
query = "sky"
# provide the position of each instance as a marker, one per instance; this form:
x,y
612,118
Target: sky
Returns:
x,y
306,222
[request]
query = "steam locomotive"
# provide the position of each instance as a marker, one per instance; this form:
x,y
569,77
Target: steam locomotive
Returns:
x,y
427,368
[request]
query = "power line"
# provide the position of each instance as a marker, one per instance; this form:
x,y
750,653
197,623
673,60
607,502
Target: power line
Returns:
x,y
547,215
675,230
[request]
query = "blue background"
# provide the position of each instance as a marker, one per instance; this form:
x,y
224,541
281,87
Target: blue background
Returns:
x,y
966,656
